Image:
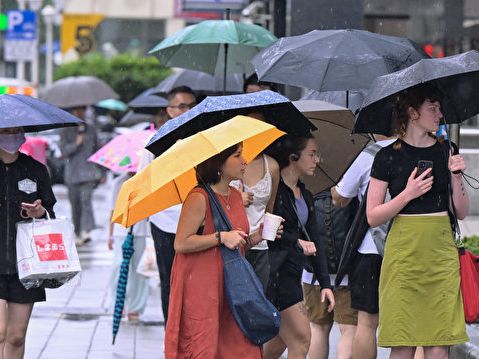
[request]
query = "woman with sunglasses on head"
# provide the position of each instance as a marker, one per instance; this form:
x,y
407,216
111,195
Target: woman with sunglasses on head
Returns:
x,y
420,301
200,323
25,193
297,157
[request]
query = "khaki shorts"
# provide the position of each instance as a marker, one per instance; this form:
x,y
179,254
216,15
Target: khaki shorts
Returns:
x,y
318,312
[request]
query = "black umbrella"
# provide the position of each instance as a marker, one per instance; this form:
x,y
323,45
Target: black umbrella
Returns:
x,y
274,108
335,60
201,83
455,76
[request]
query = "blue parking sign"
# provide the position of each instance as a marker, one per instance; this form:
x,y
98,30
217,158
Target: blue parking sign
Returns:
x,y
22,25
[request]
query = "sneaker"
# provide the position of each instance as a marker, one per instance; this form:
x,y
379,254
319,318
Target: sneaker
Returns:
x,y
85,237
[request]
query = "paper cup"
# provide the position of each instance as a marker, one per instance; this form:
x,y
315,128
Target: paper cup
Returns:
x,y
271,224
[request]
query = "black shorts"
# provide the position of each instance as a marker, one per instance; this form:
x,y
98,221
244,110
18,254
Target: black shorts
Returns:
x,y
13,291
364,283
284,286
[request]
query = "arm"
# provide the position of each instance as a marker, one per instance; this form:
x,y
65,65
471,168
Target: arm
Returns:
x,y
192,217
348,187
275,174
338,200
70,141
379,212
459,194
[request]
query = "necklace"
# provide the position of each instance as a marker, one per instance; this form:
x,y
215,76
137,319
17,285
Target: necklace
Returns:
x,y
226,200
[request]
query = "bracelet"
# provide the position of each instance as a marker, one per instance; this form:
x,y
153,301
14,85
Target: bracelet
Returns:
x,y
218,238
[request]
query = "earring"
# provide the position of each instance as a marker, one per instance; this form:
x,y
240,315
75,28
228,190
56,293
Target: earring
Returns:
x,y
219,173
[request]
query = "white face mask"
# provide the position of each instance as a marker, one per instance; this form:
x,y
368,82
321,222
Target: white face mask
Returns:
x,y
11,142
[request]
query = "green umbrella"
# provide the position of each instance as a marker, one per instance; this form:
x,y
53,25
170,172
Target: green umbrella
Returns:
x,y
204,47
112,104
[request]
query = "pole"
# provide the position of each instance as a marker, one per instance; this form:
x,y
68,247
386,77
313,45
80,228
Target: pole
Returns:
x,y
20,64
225,69
49,51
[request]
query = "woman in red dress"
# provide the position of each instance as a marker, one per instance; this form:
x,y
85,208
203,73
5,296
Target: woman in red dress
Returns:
x,y
200,323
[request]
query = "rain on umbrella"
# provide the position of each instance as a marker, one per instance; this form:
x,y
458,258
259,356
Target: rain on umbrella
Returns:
x,y
334,125
215,47
200,82
335,60
32,114
455,76
76,91
122,153
127,249
169,178
275,109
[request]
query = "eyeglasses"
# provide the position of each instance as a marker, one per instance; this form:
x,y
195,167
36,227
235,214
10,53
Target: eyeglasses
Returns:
x,y
313,155
184,106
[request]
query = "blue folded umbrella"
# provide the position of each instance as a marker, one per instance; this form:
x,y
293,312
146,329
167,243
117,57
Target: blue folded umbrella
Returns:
x,y
32,114
273,107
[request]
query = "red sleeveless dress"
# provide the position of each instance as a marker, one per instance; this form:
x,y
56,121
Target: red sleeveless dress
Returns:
x,y
200,323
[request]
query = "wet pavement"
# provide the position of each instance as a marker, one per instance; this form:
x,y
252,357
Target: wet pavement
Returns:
x,y
76,320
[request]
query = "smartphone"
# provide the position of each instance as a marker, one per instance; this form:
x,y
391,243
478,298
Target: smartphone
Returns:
x,y
28,205
422,166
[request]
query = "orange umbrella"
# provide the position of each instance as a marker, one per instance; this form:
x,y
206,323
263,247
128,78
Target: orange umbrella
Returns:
x,y
170,177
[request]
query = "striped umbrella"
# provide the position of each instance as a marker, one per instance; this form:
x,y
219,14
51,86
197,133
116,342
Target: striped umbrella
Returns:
x,y
128,250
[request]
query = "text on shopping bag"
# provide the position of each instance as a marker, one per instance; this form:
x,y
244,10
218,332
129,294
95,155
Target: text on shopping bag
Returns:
x,y
50,247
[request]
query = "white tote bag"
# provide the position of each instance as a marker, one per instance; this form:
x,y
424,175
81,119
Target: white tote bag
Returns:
x,y
46,252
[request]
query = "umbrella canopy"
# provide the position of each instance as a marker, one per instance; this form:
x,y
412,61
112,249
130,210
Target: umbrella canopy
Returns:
x,y
335,60
127,250
200,82
133,118
274,108
337,146
112,104
350,99
455,76
148,99
123,153
201,46
75,91
170,177
32,114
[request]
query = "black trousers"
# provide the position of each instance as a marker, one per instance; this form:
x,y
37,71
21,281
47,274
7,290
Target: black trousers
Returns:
x,y
165,253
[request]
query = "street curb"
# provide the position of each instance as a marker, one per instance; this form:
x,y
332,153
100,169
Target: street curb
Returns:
x,y
464,351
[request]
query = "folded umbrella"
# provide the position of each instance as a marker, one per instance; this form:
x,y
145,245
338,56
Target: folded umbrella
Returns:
x,y
274,108
170,177
455,76
338,148
76,91
32,114
469,264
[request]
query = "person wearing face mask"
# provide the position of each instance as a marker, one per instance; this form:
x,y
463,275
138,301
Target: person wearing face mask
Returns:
x,y
25,192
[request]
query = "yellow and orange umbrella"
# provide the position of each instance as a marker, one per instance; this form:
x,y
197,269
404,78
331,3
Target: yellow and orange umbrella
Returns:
x,y
170,177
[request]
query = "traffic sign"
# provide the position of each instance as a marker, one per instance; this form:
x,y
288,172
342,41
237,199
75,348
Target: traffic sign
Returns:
x,y
22,25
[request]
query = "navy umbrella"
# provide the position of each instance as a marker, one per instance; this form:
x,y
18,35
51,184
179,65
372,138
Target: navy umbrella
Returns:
x,y
335,60
274,108
455,76
32,114
128,250
200,82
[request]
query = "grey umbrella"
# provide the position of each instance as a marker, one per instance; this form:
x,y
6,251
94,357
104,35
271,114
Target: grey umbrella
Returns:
x,y
75,91
350,99
148,99
334,60
201,82
337,146
455,76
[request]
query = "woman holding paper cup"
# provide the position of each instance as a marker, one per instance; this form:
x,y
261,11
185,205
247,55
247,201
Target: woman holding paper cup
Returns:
x,y
297,157
25,192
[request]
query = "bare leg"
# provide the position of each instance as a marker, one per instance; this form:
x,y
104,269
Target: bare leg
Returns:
x,y
3,326
345,344
419,354
319,348
402,353
18,318
436,352
364,342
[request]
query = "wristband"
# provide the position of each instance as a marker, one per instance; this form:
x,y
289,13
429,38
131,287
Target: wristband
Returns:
x,y
218,238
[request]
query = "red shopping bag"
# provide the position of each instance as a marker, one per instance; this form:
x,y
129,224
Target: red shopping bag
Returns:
x,y
469,284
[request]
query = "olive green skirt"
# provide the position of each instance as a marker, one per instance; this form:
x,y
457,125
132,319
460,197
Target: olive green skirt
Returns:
x,y
420,302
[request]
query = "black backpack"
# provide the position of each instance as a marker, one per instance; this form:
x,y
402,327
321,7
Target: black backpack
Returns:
x,y
334,224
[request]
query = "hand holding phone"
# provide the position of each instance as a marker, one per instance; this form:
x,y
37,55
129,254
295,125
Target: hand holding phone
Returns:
x,y
422,166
